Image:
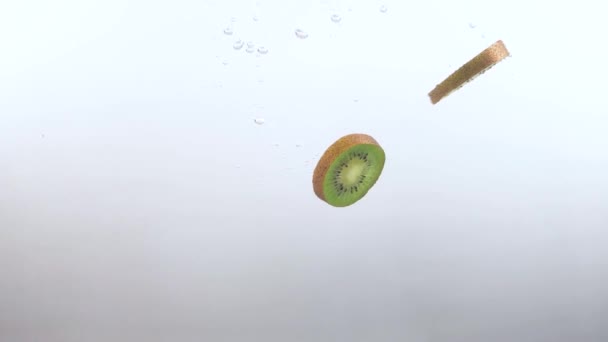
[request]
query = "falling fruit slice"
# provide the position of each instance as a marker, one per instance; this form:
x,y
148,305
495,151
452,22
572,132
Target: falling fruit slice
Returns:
x,y
473,68
348,169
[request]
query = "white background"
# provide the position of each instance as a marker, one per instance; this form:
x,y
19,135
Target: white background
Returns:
x,y
139,201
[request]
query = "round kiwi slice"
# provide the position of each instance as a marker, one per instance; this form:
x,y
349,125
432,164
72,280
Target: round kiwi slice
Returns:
x,y
348,169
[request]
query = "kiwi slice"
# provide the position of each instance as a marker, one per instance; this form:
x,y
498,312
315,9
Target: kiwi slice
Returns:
x,y
478,65
348,169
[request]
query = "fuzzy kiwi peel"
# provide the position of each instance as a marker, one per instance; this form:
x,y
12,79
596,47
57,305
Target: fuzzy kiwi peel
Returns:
x,y
348,169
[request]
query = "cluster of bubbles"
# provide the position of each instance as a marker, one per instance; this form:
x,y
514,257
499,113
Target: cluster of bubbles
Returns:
x,y
250,46
239,44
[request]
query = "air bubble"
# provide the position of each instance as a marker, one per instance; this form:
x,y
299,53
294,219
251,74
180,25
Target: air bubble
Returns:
x,y
383,9
263,50
301,34
228,31
250,44
259,121
472,25
336,18
256,18
238,44
250,50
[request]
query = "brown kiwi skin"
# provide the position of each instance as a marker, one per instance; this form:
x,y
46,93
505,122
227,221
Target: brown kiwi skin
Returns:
x,y
332,153
478,65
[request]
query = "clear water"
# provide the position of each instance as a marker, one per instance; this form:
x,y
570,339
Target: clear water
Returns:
x,y
153,189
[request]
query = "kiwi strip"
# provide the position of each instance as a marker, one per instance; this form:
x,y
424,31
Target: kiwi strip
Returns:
x,y
470,70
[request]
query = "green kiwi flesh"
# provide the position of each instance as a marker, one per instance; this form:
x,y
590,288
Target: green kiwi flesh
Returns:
x,y
352,174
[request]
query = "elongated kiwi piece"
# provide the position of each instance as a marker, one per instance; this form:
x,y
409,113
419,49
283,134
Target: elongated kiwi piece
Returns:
x,y
348,169
470,70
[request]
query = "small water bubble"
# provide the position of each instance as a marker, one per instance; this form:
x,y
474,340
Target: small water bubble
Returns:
x,y
238,166
263,50
276,145
228,31
355,100
250,44
225,62
233,19
298,145
336,18
301,34
383,9
472,25
250,49
259,121
238,44
255,18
